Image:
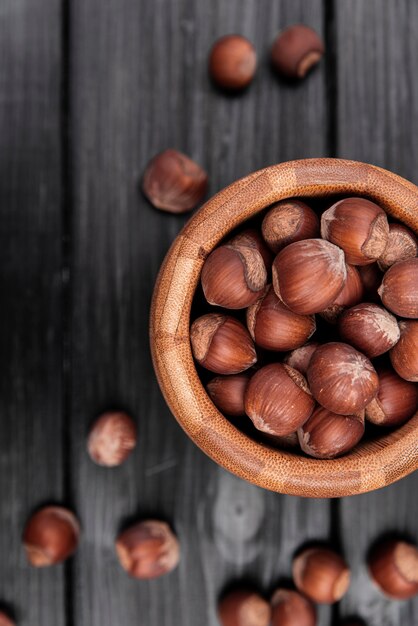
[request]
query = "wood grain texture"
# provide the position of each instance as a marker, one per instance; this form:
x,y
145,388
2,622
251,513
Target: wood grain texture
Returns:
x,y
139,85
31,460
378,113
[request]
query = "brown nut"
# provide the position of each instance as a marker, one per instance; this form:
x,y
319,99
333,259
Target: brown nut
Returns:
x,y
233,276
396,401
5,620
309,275
321,574
299,358
326,435
369,328
393,567
359,227
232,62
51,536
278,400
243,608
351,294
286,442
252,238
290,608
402,244
275,327
399,289
221,344
341,379
404,355
112,438
148,549
288,221
296,50
173,182
371,277
227,393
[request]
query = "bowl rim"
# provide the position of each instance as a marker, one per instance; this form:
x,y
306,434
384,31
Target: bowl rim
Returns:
x,y
371,465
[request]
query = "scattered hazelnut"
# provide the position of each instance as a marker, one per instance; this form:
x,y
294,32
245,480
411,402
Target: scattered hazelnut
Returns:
x,y
148,549
342,379
244,608
232,62
321,574
369,328
371,277
300,357
404,355
399,288
5,620
51,536
351,294
308,275
221,344
288,221
277,399
275,327
233,276
290,608
173,182
296,50
402,244
359,227
252,238
227,393
326,435
393,566
112,438
396,401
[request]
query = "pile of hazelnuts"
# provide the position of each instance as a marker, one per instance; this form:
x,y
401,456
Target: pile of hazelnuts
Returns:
x,y
322,576
324,298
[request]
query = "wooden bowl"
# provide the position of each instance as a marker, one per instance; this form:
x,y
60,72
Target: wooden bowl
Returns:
x,y
371,464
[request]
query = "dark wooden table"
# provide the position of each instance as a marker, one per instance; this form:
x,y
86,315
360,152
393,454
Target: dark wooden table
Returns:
x,y
89,91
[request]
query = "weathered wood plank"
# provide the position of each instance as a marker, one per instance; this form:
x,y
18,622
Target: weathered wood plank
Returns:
x,y
139,85
378,123
30,315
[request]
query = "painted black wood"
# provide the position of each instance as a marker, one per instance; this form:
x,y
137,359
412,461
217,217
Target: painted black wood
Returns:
x,y
31,459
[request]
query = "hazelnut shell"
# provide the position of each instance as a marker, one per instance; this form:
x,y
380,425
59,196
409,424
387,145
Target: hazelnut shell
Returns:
x,y
252,238
112,438
326,435
288,221
396,401
51,536
352,293
296,50
370,328
402,244
244,608
404,355
291,608
321,574
399,289
227,393
300,357
5,620
393,566
232,62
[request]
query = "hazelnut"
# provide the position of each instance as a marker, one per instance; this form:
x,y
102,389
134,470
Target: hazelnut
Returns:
x,y
233,276
148,549
321,574
402,244
227,393
393,566
326,435
286,442
308,275
5,620
243,608
399,289
252,238
112,438
369,328
351,294
275,327
341,379
404,355
232,62
396,401
221,344
296,50
278,400
51,536
299,358
371,277
290,608
359,227
173,182
288,221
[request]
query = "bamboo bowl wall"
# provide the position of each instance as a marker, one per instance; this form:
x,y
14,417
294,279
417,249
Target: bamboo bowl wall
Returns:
x,y
372,464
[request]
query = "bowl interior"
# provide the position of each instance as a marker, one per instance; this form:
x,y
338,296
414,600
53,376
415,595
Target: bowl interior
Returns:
x,y
236,445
